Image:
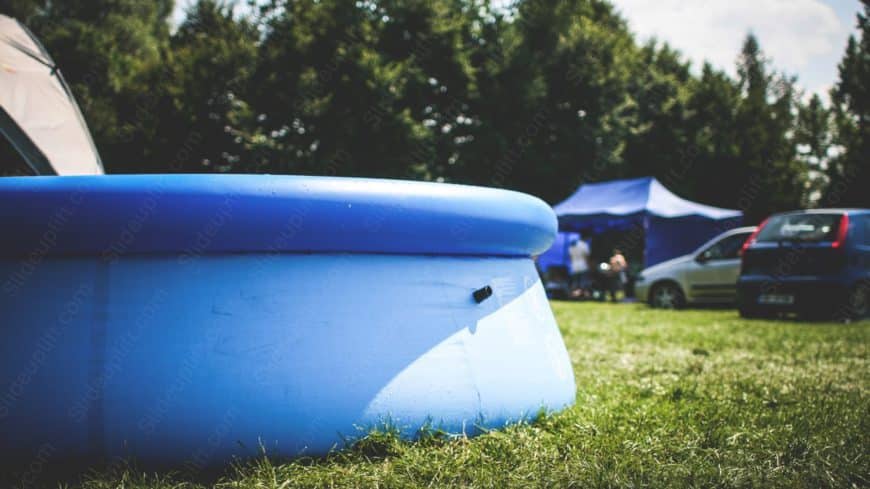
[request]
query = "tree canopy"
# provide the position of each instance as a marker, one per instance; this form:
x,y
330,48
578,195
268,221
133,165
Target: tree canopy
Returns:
x,y
539,97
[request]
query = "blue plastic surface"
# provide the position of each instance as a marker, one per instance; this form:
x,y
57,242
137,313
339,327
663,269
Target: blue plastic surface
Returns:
x,y
192,357
127,214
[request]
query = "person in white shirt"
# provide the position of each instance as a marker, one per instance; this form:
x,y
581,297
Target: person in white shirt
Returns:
x,y
578,251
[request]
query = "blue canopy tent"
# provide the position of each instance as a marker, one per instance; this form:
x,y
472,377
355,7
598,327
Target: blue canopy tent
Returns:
x,y
669,225
557,254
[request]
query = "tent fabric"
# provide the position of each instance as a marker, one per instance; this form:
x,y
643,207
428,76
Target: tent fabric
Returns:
x,y
37,111
626,197
557,254
670,238
671,226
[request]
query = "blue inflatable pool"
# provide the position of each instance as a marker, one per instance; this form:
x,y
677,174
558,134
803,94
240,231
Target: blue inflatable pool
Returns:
x,y
190,319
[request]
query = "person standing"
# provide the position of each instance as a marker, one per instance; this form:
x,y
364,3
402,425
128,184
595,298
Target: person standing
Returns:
x,y
618,268
579,254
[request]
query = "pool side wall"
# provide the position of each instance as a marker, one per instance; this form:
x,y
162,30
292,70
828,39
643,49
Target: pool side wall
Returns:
x,y
186,358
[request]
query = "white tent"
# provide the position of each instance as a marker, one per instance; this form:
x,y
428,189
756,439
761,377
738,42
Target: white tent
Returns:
x,y
38,113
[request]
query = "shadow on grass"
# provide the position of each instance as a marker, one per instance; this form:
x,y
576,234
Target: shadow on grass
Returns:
x,y
371,446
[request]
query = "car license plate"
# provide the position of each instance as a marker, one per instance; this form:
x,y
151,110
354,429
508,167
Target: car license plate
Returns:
x,y
776,299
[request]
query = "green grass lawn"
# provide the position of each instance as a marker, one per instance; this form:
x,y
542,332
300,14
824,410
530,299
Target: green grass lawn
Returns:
x,y
695,398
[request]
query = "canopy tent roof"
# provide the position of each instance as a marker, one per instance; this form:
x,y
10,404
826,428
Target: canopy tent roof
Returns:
x,y
38,113
668,225
633,196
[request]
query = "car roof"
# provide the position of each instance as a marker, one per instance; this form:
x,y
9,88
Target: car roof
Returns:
x,y
832,210
744,229
724,234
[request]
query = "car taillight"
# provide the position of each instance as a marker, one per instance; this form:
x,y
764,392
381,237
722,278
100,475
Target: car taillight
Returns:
x,y
751,238
841,233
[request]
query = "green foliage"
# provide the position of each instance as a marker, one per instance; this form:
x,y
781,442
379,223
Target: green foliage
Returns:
x,y
660,143
563,110
664,399
850,171
109,51
712,153
537,96
207,88
767,153
814,138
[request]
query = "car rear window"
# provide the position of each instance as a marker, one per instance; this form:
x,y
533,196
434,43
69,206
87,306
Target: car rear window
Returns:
x,y
801,227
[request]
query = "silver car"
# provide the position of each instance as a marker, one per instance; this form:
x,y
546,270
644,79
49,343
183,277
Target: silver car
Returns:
x,y
706,276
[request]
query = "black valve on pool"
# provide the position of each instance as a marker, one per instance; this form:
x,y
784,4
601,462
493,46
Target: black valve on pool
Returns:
x,y
482,294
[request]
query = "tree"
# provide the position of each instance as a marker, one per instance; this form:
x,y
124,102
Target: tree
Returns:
x,y
21,9
711,155
209,124
813,136
110,52
659,142
538,96
767,176
558,110
327,97
435,47
850,171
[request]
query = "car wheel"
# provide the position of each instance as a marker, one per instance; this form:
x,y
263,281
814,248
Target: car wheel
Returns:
x,y
667,295
858,302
